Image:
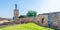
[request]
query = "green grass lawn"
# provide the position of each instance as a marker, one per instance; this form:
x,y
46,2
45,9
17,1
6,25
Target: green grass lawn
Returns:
x,y
28,26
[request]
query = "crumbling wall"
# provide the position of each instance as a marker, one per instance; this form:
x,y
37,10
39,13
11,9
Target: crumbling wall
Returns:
x,y
37,20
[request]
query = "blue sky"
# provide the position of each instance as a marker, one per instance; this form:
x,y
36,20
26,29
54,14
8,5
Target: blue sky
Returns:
x,y
41,6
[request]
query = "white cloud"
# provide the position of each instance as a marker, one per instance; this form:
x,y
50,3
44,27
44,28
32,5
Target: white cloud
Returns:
x,y
49,6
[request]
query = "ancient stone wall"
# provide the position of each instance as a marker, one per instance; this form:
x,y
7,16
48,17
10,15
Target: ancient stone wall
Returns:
x,y
37,19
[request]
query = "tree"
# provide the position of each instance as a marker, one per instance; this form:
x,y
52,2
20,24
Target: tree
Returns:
x,y
22,16
31,13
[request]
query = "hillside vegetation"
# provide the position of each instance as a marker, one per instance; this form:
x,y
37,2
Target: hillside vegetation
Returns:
x,y
28,26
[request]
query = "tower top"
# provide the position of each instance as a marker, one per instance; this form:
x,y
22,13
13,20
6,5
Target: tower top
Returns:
x,y
15,6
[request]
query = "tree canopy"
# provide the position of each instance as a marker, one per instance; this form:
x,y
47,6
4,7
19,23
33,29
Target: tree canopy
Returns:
x,y
22,16
31,13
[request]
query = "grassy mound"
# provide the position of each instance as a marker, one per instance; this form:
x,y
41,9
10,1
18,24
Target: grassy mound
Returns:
x,y
28,26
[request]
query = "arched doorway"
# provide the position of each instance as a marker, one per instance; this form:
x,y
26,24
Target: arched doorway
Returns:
x,y
42,21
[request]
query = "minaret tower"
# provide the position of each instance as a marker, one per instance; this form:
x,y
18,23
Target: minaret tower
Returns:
x,y
16,13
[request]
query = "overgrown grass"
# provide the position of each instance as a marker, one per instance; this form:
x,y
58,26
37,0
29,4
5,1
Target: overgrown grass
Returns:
x,y
28,26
